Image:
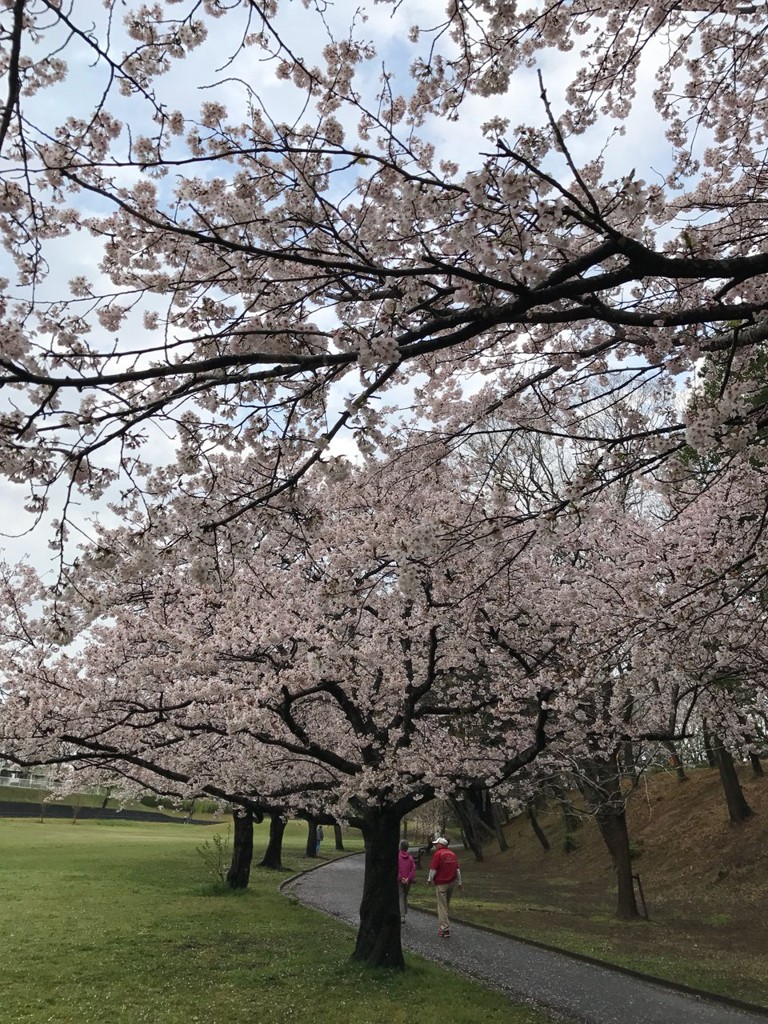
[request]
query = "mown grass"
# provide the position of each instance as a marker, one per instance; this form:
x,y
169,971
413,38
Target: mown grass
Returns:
x,y
119,924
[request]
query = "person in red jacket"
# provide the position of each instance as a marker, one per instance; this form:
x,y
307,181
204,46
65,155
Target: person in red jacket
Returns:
x,y
444,873
406,876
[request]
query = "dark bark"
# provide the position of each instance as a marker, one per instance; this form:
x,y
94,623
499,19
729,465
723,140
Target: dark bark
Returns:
x,y
601,787
612,823
482,805
378,938
273,855
500,837
469,823
757,768
537,829
337,836
738,808
242,850
311,850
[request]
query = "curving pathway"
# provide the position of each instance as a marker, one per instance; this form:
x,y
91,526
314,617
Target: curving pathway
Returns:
x,y
581,992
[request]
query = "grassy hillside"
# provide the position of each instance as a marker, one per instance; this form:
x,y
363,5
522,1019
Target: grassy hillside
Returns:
x,y
42,800
705,883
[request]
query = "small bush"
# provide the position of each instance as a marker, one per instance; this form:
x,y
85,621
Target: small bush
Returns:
x,y
216,854
570,842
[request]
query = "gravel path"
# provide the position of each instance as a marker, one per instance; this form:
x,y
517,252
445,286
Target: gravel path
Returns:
x,y
579,991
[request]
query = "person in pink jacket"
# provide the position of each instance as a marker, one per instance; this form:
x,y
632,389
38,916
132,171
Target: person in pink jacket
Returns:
x,y
406,876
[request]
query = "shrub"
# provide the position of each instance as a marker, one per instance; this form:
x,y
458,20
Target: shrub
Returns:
x,y
216,854
570,842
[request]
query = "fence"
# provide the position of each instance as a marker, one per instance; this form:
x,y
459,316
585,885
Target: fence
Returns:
x,y
14,780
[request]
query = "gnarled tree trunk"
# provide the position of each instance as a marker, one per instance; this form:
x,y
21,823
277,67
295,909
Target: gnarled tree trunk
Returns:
x,y
675,761
538,831
612,823
600,785
469,821
378,938
311,850
498,829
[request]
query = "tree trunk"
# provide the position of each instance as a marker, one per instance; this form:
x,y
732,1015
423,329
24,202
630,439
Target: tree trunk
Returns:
x,y
612,823
757,768
600,784
378,938
468,820
311,850
738,808
500,837
273,855
337,836
481,803
537,829
242,850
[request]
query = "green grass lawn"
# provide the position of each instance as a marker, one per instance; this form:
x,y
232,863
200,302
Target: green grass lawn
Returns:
x,y
119,924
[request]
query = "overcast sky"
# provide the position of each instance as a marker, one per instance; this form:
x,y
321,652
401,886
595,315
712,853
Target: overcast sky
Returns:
x,y
643,147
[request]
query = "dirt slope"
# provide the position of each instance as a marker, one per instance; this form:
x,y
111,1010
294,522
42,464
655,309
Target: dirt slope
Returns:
x,y
705,883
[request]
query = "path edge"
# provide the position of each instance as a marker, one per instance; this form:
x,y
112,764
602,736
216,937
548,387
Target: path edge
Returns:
x,y
676,986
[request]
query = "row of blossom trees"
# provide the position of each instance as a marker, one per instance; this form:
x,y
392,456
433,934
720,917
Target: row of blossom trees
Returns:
x,y
385,636
543,546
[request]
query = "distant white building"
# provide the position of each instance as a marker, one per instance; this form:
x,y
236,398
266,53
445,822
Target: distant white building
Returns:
x,y
24,778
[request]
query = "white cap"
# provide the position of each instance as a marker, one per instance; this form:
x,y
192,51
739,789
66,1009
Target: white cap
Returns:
x,y
440,841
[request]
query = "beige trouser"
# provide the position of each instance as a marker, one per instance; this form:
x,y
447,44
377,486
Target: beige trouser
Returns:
x,y
443,900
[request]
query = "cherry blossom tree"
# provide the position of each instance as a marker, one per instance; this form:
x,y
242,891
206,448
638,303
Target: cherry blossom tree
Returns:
x,y
376,648
675,594
267,263
387,636
306,255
